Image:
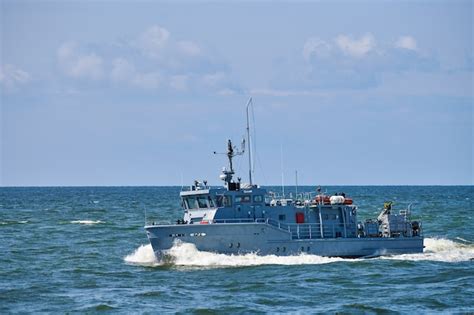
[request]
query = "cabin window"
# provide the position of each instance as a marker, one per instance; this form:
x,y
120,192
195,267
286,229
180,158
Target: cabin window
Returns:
x,y
211,202
282,217
202,201
257,198
223,201
191,202
242,199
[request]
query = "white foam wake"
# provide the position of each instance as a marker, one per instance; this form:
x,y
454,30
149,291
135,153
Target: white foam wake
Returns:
x,y
143,255
87,222
440,249
185,254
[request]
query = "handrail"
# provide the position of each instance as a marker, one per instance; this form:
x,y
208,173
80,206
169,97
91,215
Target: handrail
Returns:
x,y
308,230
258,220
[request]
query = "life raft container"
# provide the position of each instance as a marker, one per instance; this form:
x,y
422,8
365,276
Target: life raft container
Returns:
x,y
348,201
337,200
323,199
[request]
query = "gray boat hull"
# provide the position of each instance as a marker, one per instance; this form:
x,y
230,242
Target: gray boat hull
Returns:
x,y
266,239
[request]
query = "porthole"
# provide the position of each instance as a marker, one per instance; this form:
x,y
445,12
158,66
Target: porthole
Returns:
x,y
278,249
302,248
238,245
284,249
231,245
308,249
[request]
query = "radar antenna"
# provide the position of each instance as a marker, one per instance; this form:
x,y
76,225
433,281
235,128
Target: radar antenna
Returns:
x,y
232,151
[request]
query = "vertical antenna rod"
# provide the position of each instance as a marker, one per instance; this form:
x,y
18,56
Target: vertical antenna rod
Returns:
x,y
249,144
296,178
282,173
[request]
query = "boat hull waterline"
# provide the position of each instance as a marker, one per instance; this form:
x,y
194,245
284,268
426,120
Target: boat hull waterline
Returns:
x,y
266,239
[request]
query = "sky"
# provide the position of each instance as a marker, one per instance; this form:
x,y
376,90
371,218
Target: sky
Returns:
x,y
142,93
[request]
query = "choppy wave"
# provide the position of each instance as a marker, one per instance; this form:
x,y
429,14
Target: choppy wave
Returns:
x,y
87,222
13,222
185,254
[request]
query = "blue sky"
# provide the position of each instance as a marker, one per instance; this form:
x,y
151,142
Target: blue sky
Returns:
x,y
125,93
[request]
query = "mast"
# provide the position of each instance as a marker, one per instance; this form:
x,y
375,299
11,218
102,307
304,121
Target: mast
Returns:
x,y
231,152
296,179
248,139
282,173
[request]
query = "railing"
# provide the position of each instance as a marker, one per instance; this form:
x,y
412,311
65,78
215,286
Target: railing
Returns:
x,y
240,221
297,231
310,230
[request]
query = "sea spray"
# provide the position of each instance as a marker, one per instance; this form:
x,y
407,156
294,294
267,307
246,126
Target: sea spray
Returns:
x,y
143,255
440,249
186,254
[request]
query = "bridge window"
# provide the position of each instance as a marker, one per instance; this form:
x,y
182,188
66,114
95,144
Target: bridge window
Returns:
x,y
211,202
202,201
191,203
242,199
257,198
282,217
223,201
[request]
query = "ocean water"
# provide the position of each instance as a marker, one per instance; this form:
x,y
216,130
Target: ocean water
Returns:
x,y
84,249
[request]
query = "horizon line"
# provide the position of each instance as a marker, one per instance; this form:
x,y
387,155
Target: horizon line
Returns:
x,y
277,185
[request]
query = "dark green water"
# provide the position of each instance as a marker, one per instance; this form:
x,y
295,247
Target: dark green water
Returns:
x,y
85,250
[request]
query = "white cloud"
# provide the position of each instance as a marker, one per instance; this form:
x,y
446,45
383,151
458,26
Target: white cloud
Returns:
x,y
153,60
189,48
406,42
11,76
125,72
153,41
355,47
317,47
79,65
150,80
122,70
347,62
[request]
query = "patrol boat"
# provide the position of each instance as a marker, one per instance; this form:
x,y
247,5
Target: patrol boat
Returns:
x,y
240,218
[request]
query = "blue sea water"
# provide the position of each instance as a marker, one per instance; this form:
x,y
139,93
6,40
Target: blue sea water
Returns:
x,y
83,249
